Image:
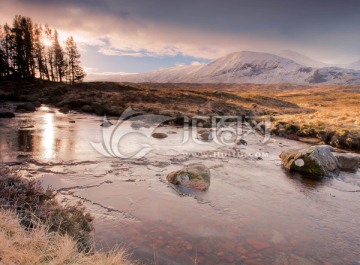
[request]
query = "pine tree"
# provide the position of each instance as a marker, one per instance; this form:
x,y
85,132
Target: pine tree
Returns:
x,y
27,27
24,55
2,55
23,47
39,52
50,52
7,44
74,73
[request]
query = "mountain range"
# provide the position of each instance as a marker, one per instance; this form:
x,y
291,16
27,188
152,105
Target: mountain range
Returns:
x,y
250,67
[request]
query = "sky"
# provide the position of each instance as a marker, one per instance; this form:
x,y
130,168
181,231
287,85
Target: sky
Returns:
x,y
130,36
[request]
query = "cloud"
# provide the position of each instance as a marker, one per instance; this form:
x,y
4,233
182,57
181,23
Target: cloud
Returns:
x,y
196,29
197,63
130,35
102,76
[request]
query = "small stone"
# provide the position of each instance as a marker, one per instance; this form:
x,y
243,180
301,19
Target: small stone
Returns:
x,y
189,247
159,135
258,245
64,110
241,142
7,115
230,258
37,104
26,107
220,254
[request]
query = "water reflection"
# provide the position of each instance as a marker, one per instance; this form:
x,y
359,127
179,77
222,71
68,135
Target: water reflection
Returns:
x,y
306,181
25,141
48,136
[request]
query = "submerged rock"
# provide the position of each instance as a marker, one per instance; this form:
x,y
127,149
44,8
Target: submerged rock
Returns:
x,y
347,162
28,106
195,176
7,115
317,161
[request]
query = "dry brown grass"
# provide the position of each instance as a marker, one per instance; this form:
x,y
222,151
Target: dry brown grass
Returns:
x,y
330,113
336,119
337,108
39,246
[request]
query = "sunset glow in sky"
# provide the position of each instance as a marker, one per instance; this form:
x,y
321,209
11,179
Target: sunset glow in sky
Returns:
x,y
136,36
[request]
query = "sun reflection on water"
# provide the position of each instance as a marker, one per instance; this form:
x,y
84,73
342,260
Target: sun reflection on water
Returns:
x,y
48,136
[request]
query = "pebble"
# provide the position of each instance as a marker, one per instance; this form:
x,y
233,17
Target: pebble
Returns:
x,y
258,245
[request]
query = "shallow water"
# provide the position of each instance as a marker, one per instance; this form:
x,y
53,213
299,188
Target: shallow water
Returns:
x,y
253,213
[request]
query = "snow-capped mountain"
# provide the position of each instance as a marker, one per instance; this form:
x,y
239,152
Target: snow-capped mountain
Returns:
x,y
249,67
302,59
354,65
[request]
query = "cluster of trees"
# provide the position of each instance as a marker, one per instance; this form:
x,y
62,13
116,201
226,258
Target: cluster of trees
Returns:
x,y
29,51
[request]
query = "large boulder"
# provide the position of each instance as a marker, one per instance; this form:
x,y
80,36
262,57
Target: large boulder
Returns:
x,y
316,161
347,162
195,176
7,115
28,106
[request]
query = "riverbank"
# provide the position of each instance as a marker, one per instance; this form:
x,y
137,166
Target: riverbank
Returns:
x,y
316,114
36,229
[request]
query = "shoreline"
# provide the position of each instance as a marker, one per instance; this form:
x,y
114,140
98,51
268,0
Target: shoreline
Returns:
x,y
111,99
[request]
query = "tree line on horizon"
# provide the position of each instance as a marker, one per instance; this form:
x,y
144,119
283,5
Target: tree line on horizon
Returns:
x,y
29,51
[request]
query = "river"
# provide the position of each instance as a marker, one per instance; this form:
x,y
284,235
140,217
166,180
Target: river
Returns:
x,y
253,213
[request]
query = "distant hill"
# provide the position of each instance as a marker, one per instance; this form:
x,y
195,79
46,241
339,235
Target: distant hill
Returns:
x,y
250,67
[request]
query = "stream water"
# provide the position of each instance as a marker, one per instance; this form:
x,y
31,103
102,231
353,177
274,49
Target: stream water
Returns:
x,y
253,213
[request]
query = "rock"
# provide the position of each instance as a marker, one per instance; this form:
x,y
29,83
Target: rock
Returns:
x,y
195,176
7,115
137,125
257,244
106,124
241,141
64,110
26,107
71,121
347,162
87,108
286,258
37,104
205,135
159,135
317,161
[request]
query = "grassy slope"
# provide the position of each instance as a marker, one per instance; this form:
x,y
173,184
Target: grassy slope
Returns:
x,y
36,229
39,246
